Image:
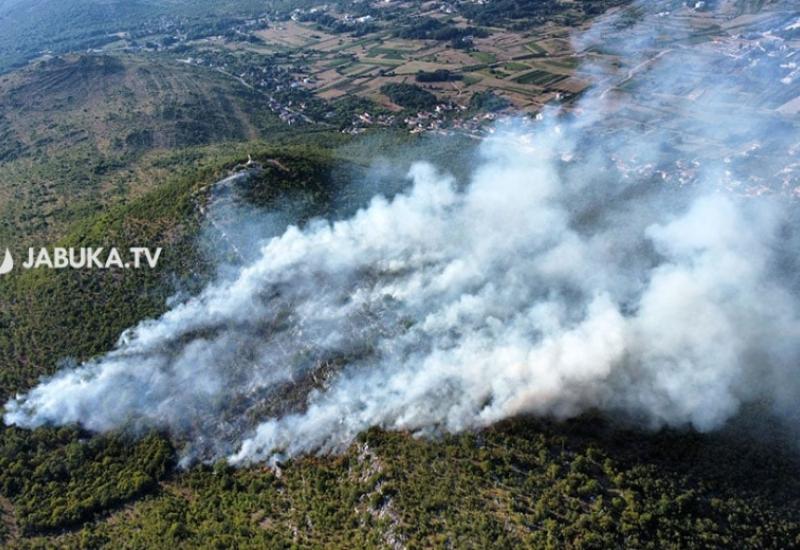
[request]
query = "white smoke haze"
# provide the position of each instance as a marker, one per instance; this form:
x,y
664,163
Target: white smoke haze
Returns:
x,y
570,273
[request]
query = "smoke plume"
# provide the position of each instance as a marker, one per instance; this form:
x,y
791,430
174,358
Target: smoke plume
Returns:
x,y
590,262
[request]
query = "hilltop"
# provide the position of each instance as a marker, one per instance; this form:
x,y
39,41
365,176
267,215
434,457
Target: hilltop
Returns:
x,y
80,132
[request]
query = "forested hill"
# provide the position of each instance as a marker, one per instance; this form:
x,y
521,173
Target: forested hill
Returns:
x,y
526,482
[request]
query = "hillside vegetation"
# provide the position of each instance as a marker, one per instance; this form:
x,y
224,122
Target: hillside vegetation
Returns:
x,y
583,484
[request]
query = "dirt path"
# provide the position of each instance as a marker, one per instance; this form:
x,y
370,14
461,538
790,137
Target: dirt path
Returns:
x,y
9,520
634,71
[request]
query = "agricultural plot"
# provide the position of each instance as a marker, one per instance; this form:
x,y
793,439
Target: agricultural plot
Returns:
x,y
294,35
539,78
342,64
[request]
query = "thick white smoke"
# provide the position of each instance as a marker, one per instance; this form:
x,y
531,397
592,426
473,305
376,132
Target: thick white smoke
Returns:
x,y
457,309
557,280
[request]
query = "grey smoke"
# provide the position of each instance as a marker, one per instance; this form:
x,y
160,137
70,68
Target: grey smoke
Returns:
x,y
588,263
